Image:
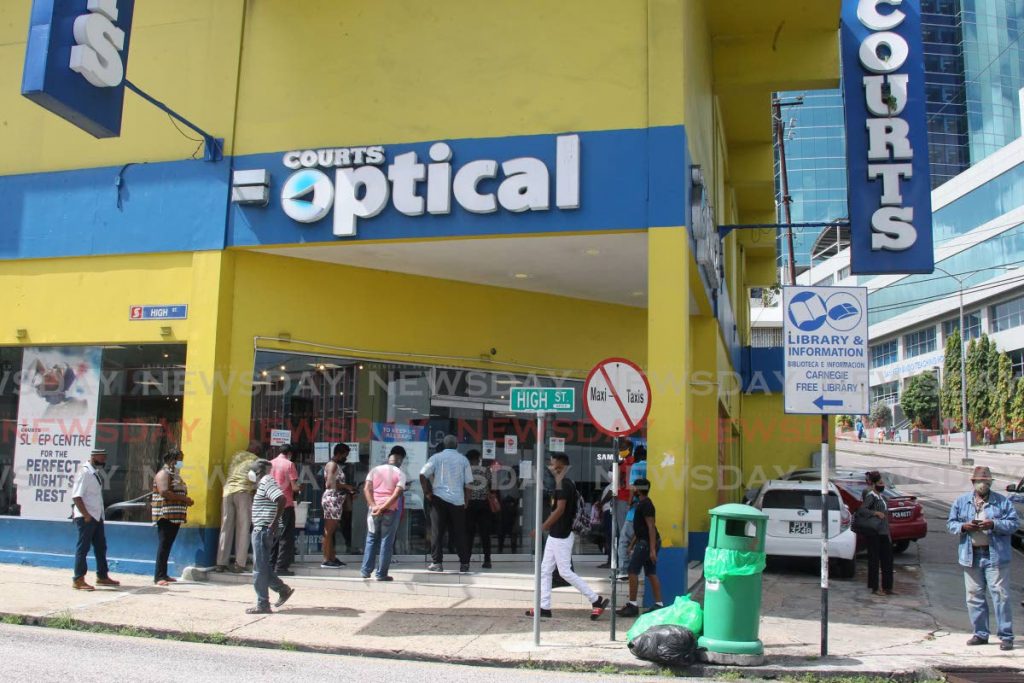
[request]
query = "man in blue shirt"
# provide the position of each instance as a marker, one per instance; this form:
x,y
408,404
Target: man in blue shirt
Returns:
x,y
985,521
446,481
637,471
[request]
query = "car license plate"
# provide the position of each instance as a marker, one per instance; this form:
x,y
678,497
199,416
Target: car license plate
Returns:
x,y
901,514
803,528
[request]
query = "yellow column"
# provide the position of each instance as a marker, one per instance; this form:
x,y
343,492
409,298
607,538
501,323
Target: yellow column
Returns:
x,y
702,436
669,368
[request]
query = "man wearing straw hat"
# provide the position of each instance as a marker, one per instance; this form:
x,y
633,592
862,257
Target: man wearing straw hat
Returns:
x,y
985,521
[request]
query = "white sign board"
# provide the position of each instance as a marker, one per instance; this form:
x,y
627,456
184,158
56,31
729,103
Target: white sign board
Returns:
x,y
280,437
825,356
556,445
617,397
490,449
511,444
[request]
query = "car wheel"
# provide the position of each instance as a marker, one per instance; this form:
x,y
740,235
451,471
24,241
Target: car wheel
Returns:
x,y
900,546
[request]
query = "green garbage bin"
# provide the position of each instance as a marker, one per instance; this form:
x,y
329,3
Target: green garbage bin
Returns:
x,y
733,566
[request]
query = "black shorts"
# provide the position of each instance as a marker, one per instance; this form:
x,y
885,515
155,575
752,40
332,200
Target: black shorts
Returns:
x,y
641,559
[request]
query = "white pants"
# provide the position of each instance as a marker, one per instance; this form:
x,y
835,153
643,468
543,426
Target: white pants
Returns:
x,y
558,553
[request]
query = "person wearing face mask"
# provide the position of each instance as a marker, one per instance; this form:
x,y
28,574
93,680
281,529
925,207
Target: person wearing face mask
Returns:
x,y
985,522
873,525
87,513
170,503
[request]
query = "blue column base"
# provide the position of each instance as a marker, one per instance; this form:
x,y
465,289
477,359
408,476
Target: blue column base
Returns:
x,y
673,570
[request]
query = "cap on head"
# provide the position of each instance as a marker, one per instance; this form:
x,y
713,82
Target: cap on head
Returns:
x,y
102,452
981,473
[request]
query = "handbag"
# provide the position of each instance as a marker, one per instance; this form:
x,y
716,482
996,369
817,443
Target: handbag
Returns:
x,y
492,500
866,522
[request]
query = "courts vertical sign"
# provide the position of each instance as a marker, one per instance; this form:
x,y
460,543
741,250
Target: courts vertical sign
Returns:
x,y
76,60
888,179
57,404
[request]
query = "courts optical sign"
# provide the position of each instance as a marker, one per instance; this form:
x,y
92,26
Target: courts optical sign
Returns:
x,y
889,181
75,61
361,186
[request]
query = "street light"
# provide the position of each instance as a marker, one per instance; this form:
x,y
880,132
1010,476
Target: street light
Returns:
x,y
967,459
938,389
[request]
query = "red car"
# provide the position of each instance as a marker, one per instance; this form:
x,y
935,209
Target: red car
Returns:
x,y
906,516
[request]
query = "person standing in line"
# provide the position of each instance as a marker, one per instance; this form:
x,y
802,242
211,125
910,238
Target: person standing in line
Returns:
x,y
606,502
637,470
985,521
170,504
622,505
384,489
268,506
643,551
336,489
87,513
236,508
478,515
287,478
560,541
876,534
445,480
348,472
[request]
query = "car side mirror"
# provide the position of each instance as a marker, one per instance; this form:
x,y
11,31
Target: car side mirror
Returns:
x,y
1012,488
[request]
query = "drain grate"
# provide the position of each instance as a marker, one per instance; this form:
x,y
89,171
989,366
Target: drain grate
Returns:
x,y
984,676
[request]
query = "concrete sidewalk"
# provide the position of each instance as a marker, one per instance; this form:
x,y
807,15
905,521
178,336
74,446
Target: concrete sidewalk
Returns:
x,y
868,635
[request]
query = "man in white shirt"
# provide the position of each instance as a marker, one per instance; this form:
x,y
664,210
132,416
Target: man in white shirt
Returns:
x,y
87,496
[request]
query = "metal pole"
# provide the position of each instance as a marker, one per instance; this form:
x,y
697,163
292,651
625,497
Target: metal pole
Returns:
x,y
538,522
824,535
780,141
615,533
967,460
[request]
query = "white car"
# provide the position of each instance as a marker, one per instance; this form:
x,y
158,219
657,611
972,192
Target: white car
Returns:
x,y
794,524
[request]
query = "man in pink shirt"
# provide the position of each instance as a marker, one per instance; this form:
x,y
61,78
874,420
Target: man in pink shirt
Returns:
x,y
384,488
283,470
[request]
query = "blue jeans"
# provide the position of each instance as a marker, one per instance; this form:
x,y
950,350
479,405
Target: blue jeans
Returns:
x,y
984,574
90,534
263,575
380,536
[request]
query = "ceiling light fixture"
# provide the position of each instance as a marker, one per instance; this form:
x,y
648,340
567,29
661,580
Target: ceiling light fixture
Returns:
x,y
521,276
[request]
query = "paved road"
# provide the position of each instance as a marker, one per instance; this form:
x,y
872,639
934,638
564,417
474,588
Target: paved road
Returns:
x,y
41,654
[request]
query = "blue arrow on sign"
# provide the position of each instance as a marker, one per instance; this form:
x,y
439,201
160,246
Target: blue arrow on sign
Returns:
x,y
821,402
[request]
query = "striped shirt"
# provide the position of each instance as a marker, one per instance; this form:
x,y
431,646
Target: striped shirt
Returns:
x,y
264,503
172,511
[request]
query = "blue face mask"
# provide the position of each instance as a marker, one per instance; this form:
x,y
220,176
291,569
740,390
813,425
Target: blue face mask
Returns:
x,y
178,465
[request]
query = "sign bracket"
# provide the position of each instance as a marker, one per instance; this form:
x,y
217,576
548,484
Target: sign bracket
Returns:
x,y
213,147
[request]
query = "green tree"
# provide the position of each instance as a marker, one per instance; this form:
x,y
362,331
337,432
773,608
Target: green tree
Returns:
x,y
951,381
1017,408
977,383
920,400
881,415
1002,397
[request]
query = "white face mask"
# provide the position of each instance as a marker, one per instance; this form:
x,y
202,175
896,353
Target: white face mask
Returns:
x,y
252,477
982,487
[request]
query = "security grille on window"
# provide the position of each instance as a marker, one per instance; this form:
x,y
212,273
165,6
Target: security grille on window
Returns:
x,y
920,342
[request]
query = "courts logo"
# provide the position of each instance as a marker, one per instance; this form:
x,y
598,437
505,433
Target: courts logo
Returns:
x,y
307,196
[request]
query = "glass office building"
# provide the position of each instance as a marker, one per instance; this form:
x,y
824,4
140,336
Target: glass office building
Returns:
x,y
973,72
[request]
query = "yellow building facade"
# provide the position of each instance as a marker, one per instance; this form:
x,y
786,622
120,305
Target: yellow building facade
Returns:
x,y
554,177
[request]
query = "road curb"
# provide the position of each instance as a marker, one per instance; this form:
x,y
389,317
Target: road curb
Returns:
x,y
917,461
788,666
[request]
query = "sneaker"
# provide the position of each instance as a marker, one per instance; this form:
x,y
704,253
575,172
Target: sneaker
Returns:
x,y
435,567
545,613
236,569
220,568
332,564
385,578
623,577
628,610
283,596
1006,645
599,606
81,585
463,568
259,610
975,640
285,572
107,581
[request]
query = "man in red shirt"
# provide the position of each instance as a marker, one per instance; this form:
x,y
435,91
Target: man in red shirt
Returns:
x,y
283,470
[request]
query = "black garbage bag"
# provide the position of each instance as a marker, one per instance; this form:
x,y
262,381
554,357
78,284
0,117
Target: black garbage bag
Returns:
x,y
667,644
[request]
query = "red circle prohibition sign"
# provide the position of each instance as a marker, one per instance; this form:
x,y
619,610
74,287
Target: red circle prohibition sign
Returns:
x,y
600,370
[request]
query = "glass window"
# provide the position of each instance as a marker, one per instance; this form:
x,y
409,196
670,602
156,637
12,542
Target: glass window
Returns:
x,y
888,393
797,499
138,412
1017,362
1007,315
972,326
885,353
920,342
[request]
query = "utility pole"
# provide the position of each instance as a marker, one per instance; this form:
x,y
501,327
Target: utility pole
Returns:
x,y
780,143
